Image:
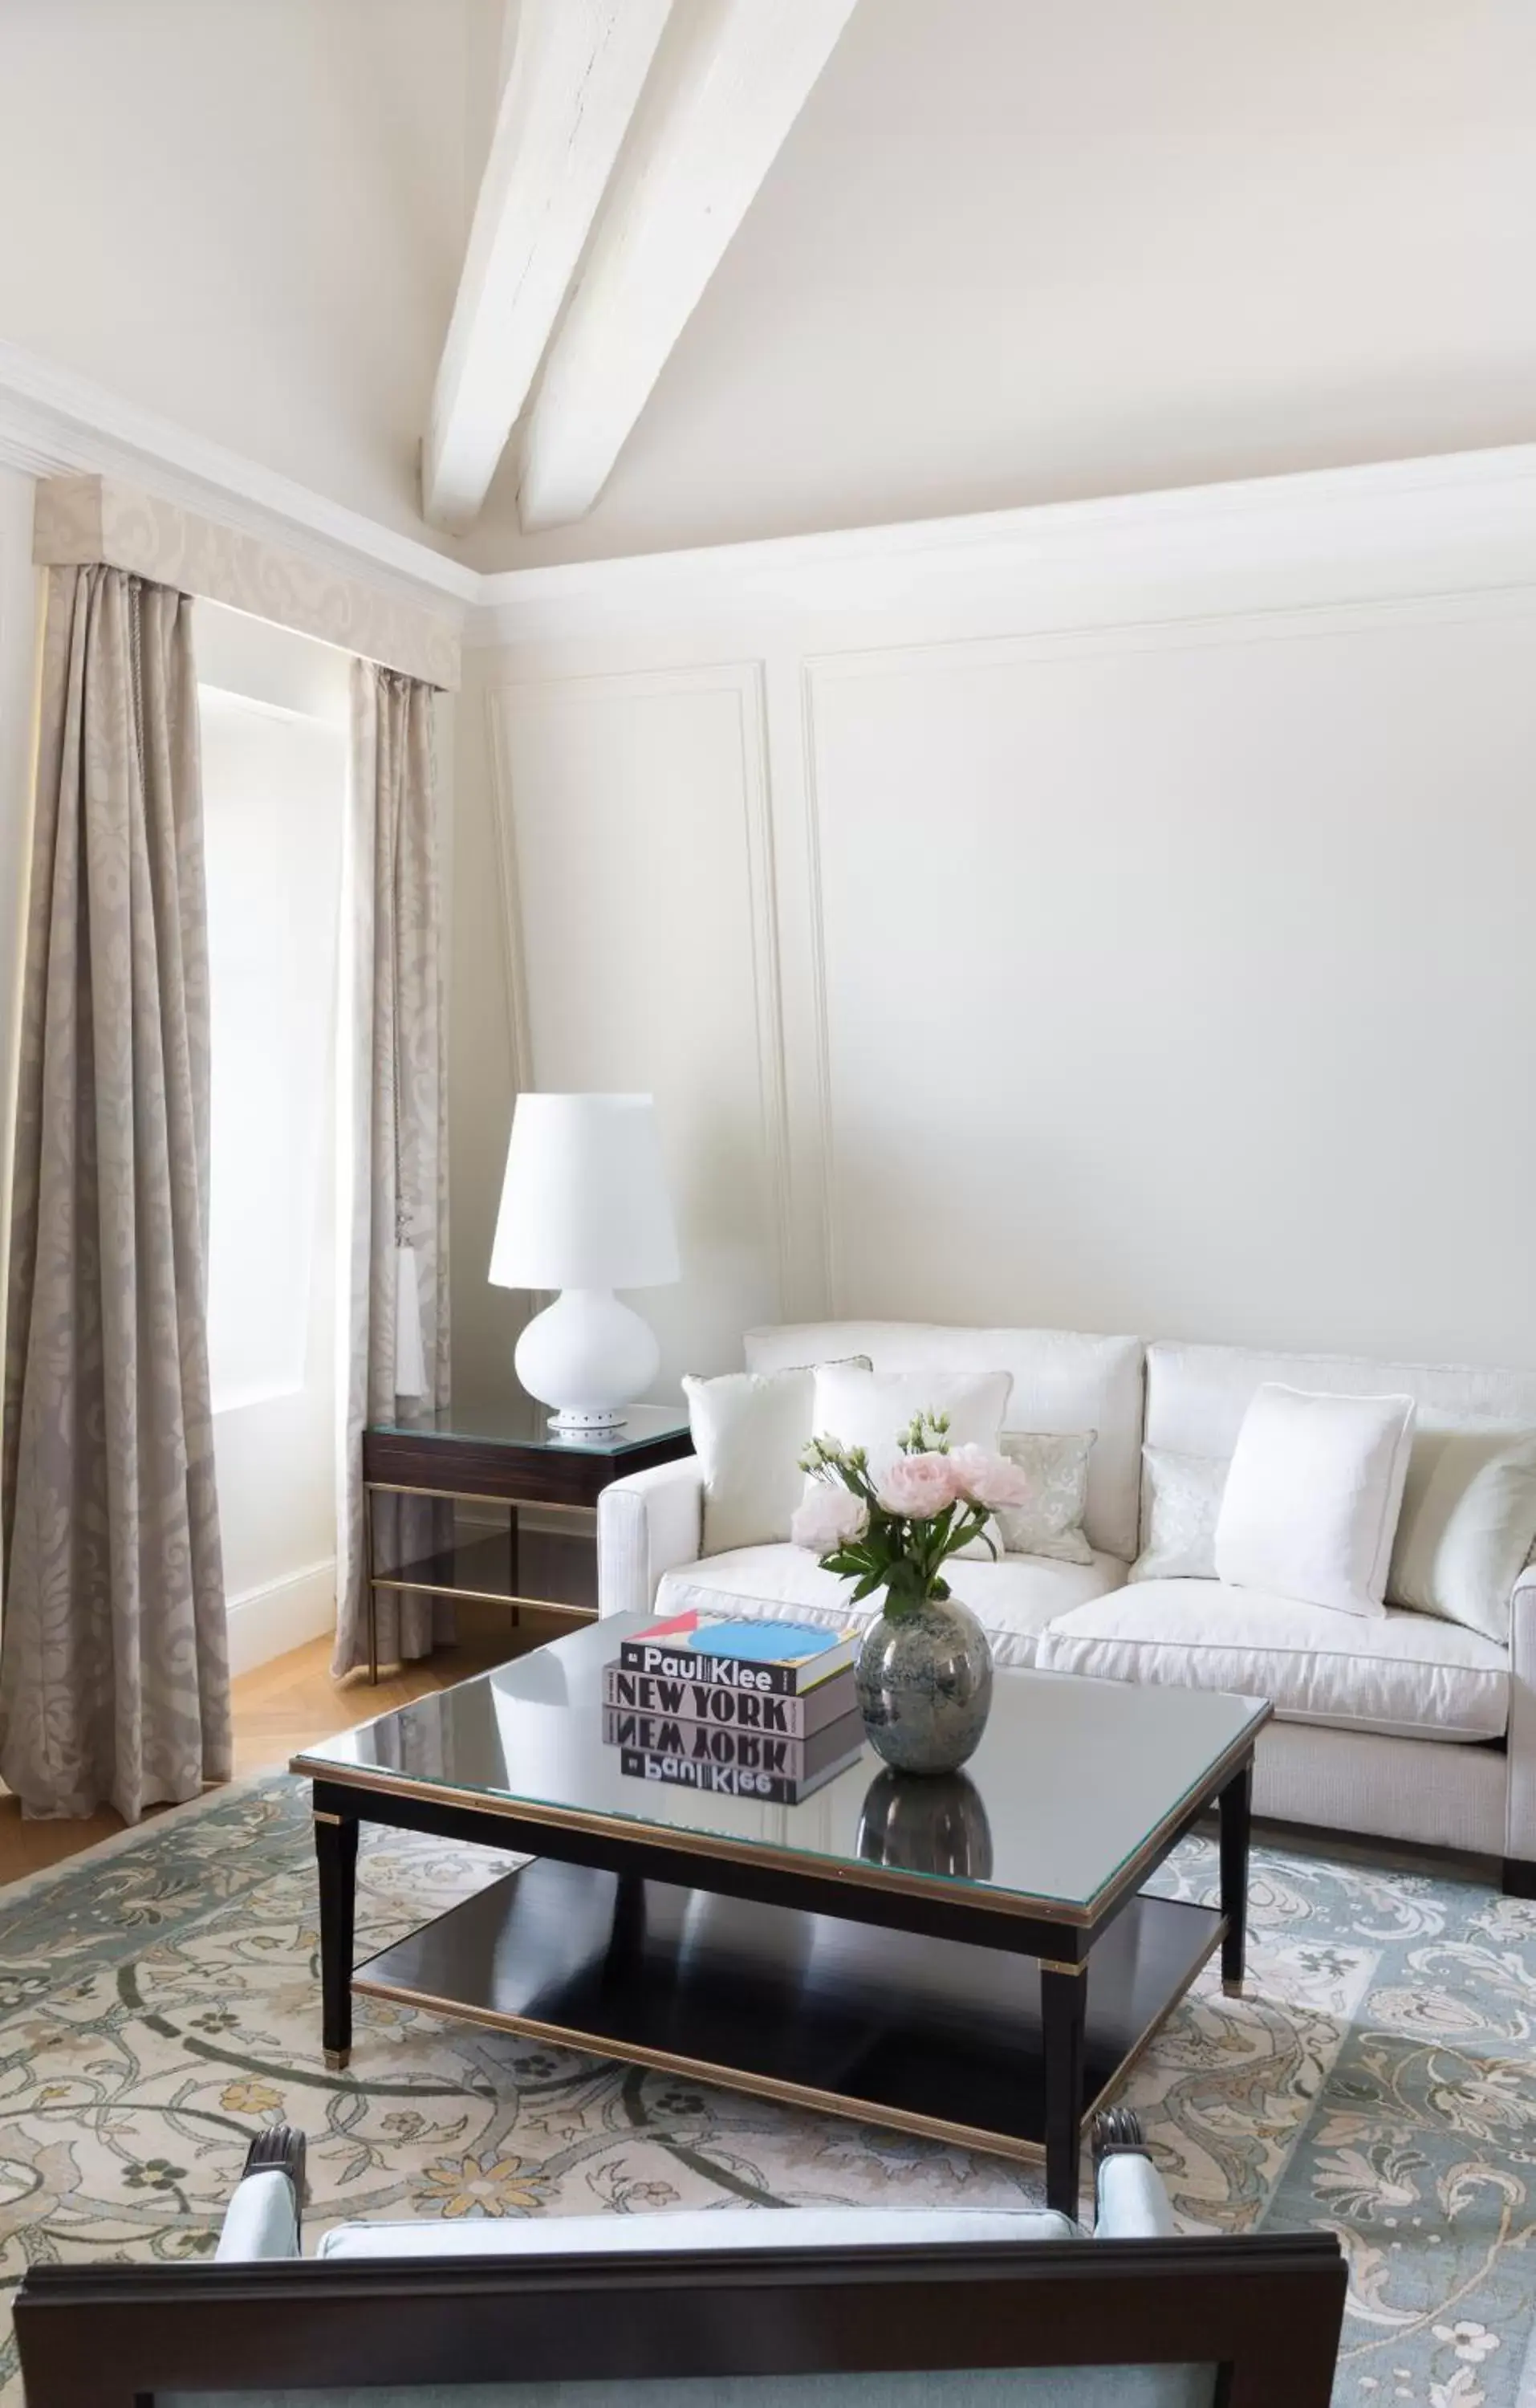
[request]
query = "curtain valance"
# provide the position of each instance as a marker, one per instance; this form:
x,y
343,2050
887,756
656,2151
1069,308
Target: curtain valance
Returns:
x,y
81,521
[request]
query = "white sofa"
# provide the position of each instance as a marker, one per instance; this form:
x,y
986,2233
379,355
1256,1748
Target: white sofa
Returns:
x,y
1407,1726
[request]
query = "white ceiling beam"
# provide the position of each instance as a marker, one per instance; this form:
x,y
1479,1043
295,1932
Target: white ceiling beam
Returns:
x,y
728,85
577,71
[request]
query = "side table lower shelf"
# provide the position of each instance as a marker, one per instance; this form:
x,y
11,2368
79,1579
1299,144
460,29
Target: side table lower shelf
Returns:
x,y
501,1460
554,1570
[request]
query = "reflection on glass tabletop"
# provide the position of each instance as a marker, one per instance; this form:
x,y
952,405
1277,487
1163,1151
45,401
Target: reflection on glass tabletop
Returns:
x,y
517,1420
1074,1777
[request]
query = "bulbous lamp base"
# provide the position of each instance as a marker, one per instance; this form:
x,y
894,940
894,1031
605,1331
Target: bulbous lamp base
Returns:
x,y
589,1356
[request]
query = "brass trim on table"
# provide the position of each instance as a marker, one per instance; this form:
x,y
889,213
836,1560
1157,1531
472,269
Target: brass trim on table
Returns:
x,y
1230,1989
727,2077
320,1817
1139,2048
475,1496
1052,1965
483,1596
1214,1781
835,1870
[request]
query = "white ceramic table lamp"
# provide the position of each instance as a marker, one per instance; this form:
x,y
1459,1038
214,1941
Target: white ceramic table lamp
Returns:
x,y
584,1210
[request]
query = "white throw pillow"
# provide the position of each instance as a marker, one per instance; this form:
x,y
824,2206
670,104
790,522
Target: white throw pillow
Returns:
x,y
1051,1523
1180,1498
1468,1522
1313,1495
871,1408
750,1429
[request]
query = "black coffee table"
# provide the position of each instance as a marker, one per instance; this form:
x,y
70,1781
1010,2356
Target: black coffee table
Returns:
x,y
973,1959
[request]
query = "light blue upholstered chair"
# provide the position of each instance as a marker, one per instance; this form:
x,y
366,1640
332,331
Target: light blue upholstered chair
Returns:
x,y
838,2308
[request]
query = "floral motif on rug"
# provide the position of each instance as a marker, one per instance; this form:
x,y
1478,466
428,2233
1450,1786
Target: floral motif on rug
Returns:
x,y
159,2001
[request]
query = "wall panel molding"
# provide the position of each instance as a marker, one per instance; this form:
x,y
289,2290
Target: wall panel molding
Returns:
x,y
1043,649
742,681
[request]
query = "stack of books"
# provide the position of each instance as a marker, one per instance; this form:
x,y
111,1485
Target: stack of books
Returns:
x,y
761,1709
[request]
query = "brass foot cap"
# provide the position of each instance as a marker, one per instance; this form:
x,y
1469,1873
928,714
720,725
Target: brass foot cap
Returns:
x,y
337,2060
1232,1989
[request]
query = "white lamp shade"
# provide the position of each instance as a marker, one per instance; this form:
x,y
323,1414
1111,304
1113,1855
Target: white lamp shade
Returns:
x,y
584,1202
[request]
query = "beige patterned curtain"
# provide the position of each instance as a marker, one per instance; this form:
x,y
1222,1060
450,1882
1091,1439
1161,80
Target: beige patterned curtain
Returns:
x,y
114,1678
397,1173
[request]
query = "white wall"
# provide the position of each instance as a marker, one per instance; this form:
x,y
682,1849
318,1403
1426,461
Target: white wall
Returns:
x,y
1116,921
1018,251
249,215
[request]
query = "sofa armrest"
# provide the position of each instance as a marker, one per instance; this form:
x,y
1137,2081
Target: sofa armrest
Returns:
x,y
1133,2202
647,1524
1520,1827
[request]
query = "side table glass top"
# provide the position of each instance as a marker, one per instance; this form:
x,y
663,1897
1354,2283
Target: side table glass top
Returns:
x,y
1074,1779
517,1420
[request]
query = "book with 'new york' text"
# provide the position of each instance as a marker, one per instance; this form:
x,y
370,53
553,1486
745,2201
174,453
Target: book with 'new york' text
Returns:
x,y
717,1702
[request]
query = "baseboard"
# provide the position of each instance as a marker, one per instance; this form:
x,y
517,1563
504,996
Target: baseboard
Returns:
x,y
267,1622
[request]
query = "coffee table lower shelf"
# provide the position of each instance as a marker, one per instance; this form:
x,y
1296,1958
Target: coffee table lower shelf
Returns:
x,y
933,2037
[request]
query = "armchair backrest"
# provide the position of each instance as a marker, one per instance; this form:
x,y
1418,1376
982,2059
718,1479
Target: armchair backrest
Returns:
x,y
1187,2323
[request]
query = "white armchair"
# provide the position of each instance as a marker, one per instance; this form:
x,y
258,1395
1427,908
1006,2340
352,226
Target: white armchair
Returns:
x,y
762,2308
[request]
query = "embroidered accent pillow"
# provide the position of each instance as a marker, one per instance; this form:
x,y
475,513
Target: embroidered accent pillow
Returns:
x,y
871,1408
1051,1523
1180,1498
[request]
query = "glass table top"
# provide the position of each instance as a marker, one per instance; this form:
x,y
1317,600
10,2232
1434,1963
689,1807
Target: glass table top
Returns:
x,y
519,1420
1073,1778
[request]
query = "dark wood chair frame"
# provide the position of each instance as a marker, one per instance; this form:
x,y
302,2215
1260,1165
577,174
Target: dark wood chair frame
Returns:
x,y
1265,2312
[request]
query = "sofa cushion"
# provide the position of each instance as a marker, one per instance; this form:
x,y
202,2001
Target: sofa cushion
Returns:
x,y
1313,1495
1197,1396
1401,1673
1014,1600
1062,1381
715,2228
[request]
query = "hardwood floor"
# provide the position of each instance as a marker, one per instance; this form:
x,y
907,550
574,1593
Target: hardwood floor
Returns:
x,y
289,1704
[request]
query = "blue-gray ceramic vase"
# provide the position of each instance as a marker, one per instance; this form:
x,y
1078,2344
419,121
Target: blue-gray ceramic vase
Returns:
x,y
925,1684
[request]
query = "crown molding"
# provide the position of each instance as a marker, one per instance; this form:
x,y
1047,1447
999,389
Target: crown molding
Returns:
x,y
1462,521
55,423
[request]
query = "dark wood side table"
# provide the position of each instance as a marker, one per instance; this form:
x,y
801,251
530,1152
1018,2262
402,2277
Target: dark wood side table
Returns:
x,y
507,1457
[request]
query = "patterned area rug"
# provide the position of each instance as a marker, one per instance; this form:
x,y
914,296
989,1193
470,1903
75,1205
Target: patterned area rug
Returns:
x,y
158,2001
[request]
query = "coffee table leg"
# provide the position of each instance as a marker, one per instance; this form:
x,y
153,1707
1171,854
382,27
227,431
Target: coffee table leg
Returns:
x,y
1064,2016
336,1857
1236,1816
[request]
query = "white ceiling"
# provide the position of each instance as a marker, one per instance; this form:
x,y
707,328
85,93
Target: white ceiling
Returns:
x,y
1029,249
247,216
1011,251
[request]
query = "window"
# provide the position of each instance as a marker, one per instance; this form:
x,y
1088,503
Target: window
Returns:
x,y
274,786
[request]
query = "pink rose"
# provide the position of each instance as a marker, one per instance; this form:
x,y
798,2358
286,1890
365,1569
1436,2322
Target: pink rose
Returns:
x,y
988,1480
831,1517
918,1486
